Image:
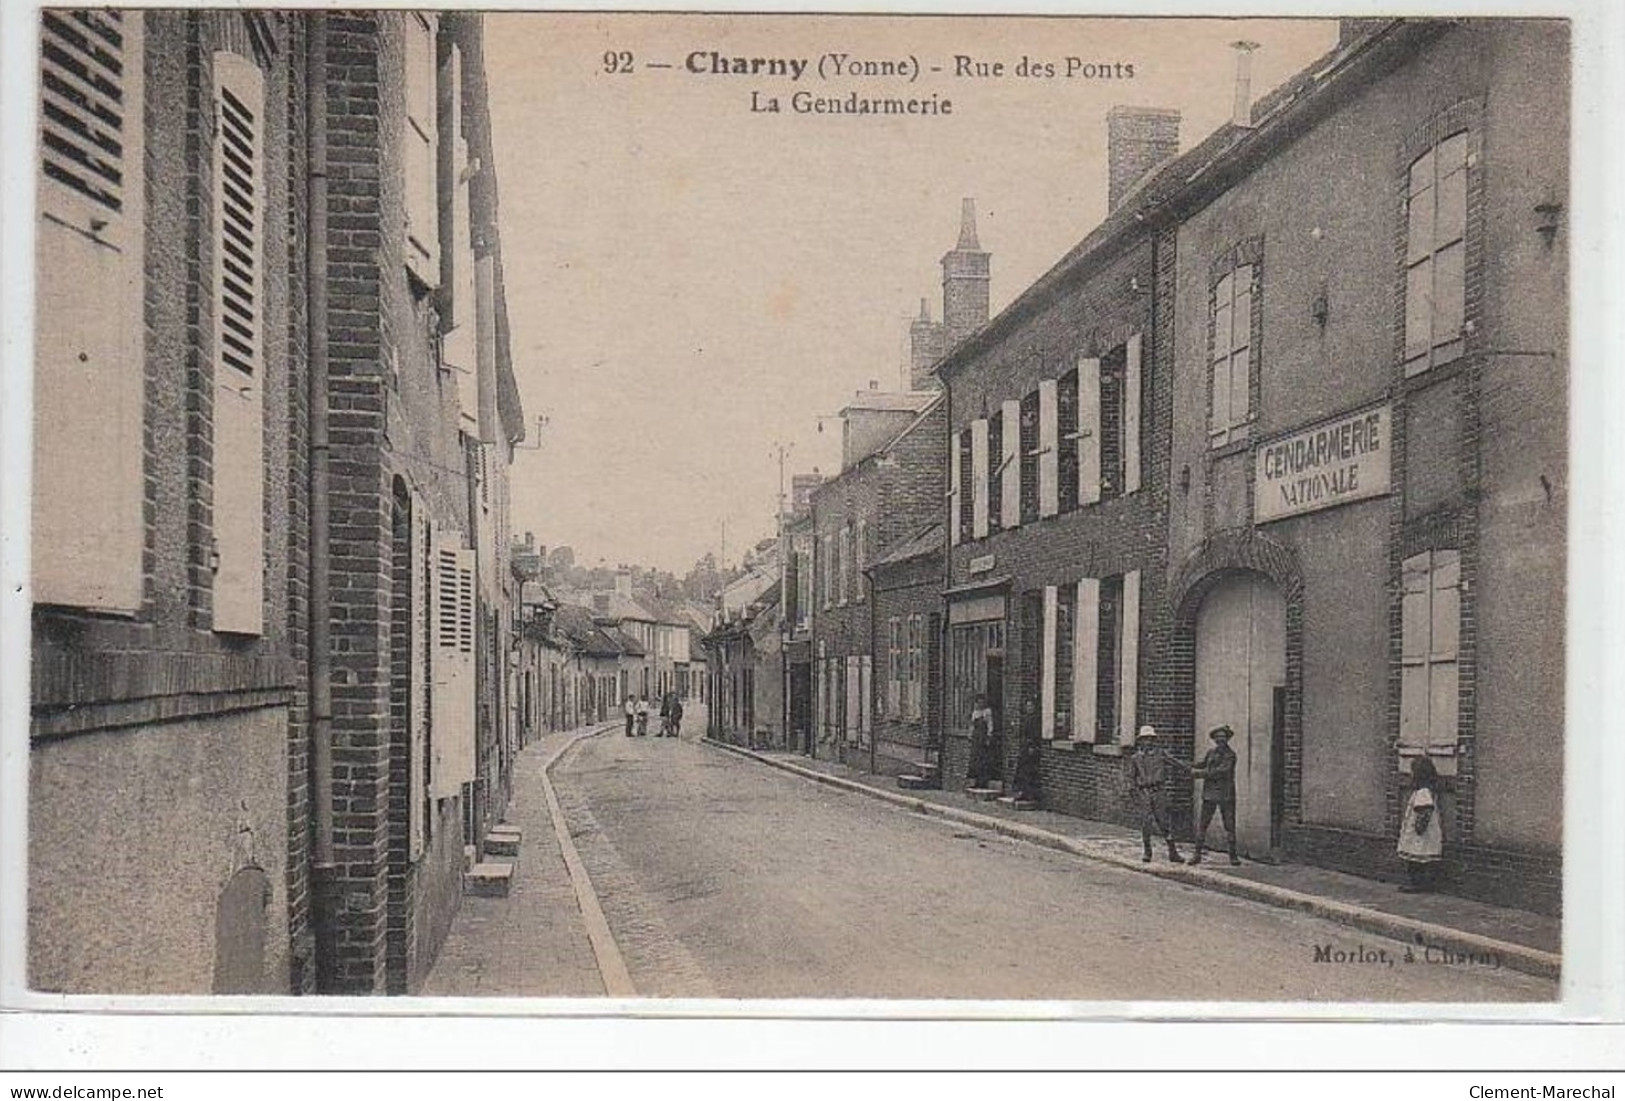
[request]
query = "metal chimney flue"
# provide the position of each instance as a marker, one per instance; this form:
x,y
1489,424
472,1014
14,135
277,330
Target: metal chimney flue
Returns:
x,y
1241,113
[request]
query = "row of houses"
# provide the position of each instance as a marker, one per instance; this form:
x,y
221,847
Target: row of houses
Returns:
x,y
272,697
1281,444
582,655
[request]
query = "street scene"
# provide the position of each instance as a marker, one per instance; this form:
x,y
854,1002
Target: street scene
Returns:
x,y
692,506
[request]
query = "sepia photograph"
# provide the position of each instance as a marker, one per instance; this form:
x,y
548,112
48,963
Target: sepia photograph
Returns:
x,y
718,507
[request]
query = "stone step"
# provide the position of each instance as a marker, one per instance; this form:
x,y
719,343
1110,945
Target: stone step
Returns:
x,y
501,844
1018,804
915,783
983,795
489,879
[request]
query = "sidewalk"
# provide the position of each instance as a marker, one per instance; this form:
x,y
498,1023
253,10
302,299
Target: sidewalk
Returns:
x,y
533,943
1524,941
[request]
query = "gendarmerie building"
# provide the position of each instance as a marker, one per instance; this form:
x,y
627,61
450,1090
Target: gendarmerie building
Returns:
x,y
1307,383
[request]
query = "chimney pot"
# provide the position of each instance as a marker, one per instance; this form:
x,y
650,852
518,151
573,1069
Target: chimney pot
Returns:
x,y
1241,112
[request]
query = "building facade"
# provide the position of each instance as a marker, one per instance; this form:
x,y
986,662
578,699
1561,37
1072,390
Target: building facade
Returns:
x,y
168,780
1370,399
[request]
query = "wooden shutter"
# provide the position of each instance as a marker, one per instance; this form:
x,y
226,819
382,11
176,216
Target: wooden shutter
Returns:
x,y
1048,444
1085,660
460,349
1416,624
421,139
453,630
978,478
1010,464
854,699
89,375
894,666
1046,699
1128,650
866,676
239,344
955,490
1131,416
1088,430
1443,648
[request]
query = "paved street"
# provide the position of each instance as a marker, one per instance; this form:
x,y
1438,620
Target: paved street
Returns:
x,y
722,877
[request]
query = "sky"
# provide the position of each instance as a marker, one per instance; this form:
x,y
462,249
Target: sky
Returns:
x,y
692,285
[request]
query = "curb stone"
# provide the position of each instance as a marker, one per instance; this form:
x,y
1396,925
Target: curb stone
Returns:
x,y
1516,957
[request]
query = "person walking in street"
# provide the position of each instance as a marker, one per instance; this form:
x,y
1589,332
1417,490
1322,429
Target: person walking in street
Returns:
x,y
631,714
1148,773
642,712
676,716
981,743
1421,836
665,715
1218,775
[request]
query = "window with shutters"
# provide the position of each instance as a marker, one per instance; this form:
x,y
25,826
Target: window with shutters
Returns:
x,y
995,471
1108,648
1436,254
916,668
1429,649
1231,355
89,375
1112,366
978,477
965,477
860,547
1049,442
1067,429
894,667
1065,606
1029,458
421,153
238,186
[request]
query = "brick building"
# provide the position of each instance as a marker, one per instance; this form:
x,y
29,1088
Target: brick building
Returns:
x,y
1057,498
168,784
422,416
1370,404
889,489
1307,382
906,587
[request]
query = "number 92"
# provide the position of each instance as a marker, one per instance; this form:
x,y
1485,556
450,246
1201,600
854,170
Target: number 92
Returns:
x,y
617,61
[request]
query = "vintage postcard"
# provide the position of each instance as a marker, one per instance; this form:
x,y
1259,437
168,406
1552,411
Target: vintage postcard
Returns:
x,y
684,508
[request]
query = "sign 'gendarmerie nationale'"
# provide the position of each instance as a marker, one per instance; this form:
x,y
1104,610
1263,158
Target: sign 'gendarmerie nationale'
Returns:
x,y
1330,464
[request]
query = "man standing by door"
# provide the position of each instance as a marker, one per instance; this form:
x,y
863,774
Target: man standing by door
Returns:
x,y
1218,775
1148,772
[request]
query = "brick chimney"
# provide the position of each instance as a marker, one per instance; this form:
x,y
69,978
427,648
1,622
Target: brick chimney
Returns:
x,y
964,282
1241,109
925,348
1137,140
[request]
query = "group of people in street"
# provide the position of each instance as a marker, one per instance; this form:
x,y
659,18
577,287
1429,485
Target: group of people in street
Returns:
x,y
1152,773
637,716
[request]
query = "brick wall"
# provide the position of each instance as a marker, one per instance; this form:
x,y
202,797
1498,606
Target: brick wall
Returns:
x,y
1094,314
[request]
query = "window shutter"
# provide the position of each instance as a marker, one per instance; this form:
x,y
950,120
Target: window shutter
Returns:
x,y
894,662
422,149
1085,664
865,692
860,550
1445,633
239,335
1010,464
1128,650
89,375
1131,417
854,699
453,631
1046,702
1415,645
1088,430
1048,442
978,478
955,490
460,349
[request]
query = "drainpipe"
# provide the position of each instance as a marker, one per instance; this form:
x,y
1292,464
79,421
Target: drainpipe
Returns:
x,y
318,654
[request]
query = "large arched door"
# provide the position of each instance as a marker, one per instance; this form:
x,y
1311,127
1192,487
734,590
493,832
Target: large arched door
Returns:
x,y
1240,681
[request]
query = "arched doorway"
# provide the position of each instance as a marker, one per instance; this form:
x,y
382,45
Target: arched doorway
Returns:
x,y
1241,682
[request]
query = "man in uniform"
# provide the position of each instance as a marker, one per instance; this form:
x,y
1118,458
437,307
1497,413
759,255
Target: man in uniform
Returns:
x,y
1148,772
1218,775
